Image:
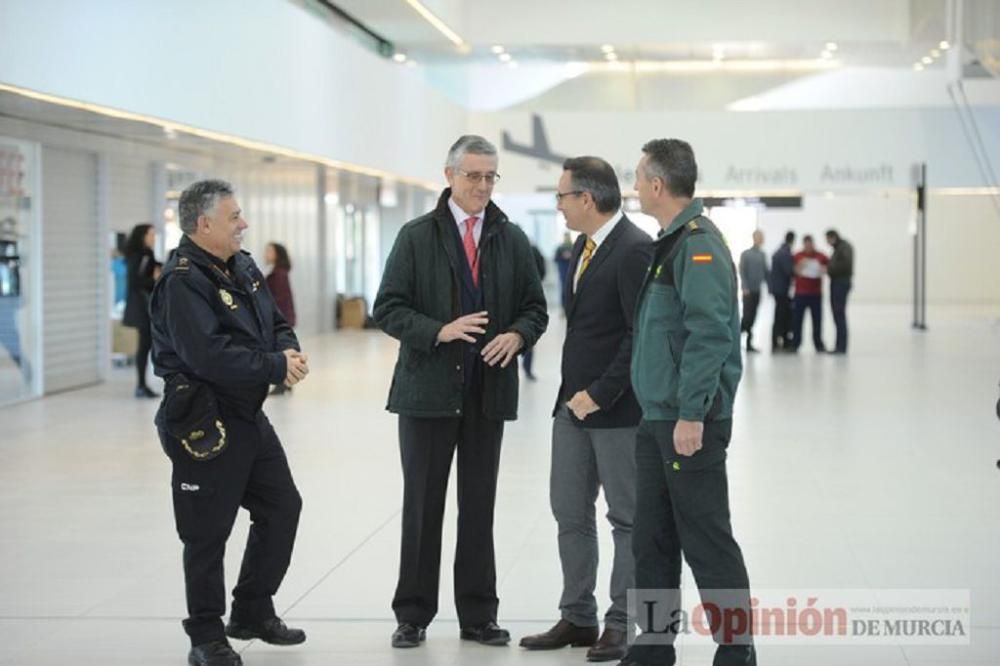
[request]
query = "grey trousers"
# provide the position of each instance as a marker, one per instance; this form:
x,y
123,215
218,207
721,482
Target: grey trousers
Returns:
x,y
583,460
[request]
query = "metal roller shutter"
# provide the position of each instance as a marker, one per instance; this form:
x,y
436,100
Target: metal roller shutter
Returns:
x,y
73,310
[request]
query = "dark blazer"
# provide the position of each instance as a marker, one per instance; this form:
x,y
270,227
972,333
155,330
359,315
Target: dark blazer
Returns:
x,y
420,293
139,269
598,349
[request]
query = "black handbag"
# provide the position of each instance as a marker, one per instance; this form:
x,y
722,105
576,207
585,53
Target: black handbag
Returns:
x,y
190,414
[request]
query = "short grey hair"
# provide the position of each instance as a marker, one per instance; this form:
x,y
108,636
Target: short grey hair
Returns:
x,y
198,199
469,144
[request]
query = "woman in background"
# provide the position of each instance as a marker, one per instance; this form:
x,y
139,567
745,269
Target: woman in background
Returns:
x,y
276,256
142,271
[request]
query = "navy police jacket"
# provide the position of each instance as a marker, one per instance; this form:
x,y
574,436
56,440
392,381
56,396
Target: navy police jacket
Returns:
x,y
224,330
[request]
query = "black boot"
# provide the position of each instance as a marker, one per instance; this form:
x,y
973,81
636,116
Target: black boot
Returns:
x,y
271,631
216,653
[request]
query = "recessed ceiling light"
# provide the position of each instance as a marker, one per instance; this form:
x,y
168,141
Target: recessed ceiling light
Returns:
x,y
935,53
612,56
399,57
919,67
497,49
441,26
926,60
505,57
825,55
831,46
944,45
608,48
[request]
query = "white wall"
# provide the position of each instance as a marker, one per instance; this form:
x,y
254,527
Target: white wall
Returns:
x,y
963,236
877,226
778,150
281,205
266,70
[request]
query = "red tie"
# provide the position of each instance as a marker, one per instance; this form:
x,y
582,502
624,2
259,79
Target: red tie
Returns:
x,y
469,241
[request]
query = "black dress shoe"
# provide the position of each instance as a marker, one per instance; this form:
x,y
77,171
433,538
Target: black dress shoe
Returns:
x,y
668,657
271,631
408,636
612,645
486,634
145,392
735,655
562,634
216,653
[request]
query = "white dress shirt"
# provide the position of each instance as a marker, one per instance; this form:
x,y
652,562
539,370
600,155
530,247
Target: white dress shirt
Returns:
x,y
599,237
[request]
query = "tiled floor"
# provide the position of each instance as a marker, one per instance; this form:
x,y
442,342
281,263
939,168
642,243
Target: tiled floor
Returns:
x,y
868,472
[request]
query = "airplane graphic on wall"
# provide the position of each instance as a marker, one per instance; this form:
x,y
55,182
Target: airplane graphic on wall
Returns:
x,y
539,147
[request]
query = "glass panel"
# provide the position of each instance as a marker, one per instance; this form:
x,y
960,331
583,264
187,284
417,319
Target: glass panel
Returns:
x,y
18,270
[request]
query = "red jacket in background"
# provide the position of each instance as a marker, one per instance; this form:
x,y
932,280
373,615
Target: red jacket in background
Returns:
x,y
281,289
809,285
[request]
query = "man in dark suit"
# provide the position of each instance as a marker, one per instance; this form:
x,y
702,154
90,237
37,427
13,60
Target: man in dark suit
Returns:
x,y
596,414
461,293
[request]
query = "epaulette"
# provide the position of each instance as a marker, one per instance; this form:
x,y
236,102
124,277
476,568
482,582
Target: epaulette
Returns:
x,y
183,264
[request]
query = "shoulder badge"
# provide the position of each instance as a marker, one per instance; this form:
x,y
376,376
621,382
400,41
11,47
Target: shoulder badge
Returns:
x,y
693,225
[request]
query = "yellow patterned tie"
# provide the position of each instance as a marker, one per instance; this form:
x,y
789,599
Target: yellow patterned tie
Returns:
x,y
588,252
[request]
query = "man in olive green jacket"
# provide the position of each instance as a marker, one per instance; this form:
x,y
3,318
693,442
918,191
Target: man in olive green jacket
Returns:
x,y
685,369
461,293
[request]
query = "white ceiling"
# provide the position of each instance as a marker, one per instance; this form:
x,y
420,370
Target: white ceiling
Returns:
x,y
881,33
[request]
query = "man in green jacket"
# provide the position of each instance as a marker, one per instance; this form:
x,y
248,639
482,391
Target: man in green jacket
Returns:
x,y
461,293
685,369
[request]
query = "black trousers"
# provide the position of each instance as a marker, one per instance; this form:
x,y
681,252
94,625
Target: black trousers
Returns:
x,y
813,303
682,507
142,352
253,473
527,359
751,302
839,289
426,447
781,331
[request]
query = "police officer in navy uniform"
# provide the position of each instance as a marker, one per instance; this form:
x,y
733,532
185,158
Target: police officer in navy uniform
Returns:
x,y
220,342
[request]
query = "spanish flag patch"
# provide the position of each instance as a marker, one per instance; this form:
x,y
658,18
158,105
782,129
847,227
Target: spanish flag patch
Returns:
x,y
702,258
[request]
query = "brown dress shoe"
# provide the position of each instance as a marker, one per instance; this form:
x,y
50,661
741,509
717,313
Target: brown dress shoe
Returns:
x,y
562,634
612,645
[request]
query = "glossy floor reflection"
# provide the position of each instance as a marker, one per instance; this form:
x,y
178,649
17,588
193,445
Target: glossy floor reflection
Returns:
x,y
868,472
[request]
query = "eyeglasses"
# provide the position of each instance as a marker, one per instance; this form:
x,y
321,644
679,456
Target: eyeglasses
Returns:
x,y
560,195
477,177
